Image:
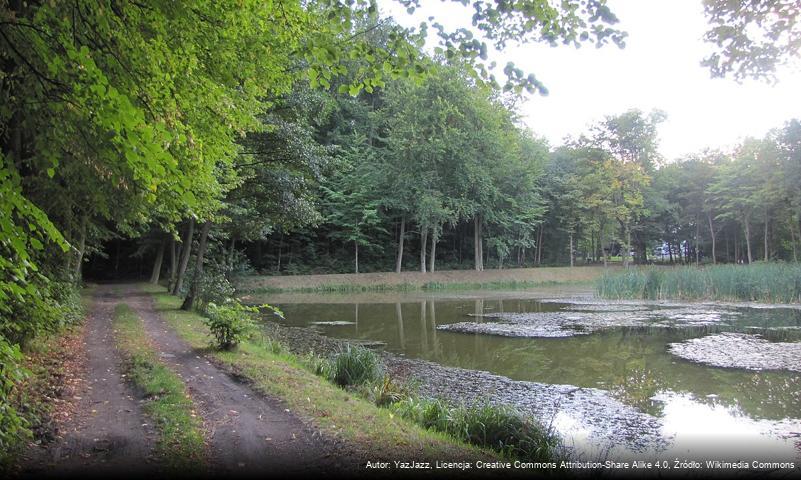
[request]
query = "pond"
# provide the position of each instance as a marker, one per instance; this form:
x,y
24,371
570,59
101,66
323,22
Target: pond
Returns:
x,y
632,352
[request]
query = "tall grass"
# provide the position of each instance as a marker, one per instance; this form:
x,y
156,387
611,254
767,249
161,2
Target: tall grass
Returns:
x,y
759,282
500,428
356,366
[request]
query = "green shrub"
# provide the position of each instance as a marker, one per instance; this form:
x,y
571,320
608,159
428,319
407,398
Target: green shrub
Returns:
x,y
55,305
13,427
355,366
229,323
213,287
232,322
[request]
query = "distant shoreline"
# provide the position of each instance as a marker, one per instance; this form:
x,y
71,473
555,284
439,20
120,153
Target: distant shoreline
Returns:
x,y
441,280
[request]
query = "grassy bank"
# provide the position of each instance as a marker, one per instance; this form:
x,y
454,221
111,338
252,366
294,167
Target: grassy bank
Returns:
x,y
416,281
181,442
307,386
761,282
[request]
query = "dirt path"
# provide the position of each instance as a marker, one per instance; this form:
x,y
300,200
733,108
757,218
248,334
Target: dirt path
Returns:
x,y
110,433
247,432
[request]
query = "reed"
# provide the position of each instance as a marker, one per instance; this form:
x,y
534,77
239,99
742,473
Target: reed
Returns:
x,y
759,282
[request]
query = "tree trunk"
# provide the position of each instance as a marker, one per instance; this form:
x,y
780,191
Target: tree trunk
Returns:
x,y
799,229
280,246
603,248
628,246
726,244
539,244
423,242
792,240
117,258
231,252
767,223
748,239
82,248
571,249
356,244
478,244
173,262
712,234
399,261
189,301
697,232
186,250
433,256
154,276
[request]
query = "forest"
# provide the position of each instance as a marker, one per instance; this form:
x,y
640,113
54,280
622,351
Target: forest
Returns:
x,y
505,198
189,143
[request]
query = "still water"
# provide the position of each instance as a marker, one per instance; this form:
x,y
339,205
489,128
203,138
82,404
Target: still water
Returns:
x,y
694,402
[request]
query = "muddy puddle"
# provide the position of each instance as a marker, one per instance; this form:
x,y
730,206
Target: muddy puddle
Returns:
x,y
607,375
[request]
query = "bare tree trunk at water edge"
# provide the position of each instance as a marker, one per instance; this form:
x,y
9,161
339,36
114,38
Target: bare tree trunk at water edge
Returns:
x,y
767,248
712,234
423,243
478,245
571,249
399,261
748,239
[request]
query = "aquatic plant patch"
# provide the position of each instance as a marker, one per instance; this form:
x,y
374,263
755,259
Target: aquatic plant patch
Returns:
x,y
570,323
739,350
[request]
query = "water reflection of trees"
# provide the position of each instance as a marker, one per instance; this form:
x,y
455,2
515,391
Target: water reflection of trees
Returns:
x,y
631,362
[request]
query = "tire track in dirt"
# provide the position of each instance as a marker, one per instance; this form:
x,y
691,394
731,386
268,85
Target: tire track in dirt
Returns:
x,y
110,434
248,432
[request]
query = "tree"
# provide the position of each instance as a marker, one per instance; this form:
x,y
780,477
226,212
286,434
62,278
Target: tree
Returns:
x,y
737,190
349,201
752,38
